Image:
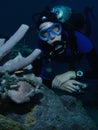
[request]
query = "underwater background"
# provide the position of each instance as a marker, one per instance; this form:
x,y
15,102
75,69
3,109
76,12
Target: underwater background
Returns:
x,y
14,13
17,12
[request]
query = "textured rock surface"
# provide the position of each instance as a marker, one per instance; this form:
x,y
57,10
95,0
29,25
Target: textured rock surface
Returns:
x,y
48,111
8,124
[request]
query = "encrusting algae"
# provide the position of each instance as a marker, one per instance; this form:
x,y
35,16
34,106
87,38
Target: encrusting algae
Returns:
x,y
30,119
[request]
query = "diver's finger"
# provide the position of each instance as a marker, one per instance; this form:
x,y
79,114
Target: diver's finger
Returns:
x,y
54,83
76,87
76,82
80,84
68,88
72,88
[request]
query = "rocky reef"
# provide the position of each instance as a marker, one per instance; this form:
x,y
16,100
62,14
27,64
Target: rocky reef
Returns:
x,y
47,110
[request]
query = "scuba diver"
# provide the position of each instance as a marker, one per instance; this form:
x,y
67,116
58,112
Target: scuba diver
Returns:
x,y
63,48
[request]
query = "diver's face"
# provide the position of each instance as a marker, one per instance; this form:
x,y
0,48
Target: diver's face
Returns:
x,y
50,32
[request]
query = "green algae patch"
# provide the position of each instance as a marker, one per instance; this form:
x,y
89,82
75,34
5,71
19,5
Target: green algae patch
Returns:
x,y
30,119
8,124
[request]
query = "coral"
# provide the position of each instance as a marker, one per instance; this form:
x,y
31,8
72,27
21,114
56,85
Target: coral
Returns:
x,y
10,84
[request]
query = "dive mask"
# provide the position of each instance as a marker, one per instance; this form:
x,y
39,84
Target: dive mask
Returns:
x,y
54,29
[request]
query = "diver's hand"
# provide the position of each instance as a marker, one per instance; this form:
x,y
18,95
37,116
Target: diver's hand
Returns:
x,y
72,86
62,78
